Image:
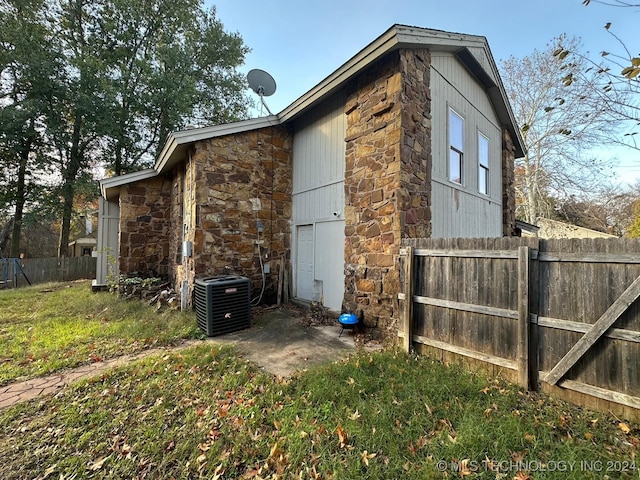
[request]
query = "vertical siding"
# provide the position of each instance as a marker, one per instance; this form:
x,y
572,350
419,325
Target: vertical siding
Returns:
x,y
460,210
318,199
318,162
108,240
459,214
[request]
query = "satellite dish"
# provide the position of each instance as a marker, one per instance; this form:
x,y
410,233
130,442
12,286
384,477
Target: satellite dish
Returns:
x,y
262,83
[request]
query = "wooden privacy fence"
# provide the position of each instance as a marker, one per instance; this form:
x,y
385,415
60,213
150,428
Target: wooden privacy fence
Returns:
x,y
560,315
14,272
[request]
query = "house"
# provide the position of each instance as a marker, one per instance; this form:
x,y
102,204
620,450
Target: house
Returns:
x,y
411,137
82,246
86,241
548,229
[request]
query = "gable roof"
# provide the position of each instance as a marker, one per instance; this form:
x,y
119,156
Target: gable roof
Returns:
x,y
407,37
464,46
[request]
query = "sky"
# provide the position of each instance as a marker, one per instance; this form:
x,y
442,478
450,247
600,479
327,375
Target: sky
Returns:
x,y
300,42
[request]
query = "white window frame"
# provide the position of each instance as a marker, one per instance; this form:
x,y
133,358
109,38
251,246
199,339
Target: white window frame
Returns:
x,y
456,150
484,164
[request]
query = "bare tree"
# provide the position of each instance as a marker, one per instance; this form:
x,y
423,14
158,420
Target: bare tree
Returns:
x,y
618,71
561,115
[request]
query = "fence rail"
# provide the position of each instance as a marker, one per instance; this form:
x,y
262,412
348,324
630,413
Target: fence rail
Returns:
x,y
16,272
556,315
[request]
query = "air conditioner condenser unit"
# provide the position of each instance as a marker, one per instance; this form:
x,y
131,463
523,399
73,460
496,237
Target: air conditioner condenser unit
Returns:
x,y
223,304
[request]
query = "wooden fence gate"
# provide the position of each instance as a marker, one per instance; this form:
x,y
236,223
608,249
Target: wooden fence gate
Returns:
x,y
560,315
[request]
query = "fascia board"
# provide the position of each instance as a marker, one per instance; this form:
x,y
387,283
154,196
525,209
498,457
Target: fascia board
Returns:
x,y
110,187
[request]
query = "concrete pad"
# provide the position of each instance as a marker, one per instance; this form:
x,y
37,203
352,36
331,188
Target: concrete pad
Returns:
x,y
280,344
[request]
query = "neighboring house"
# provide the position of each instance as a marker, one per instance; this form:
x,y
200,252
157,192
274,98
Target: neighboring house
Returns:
x,y
83,246
411,137
547,228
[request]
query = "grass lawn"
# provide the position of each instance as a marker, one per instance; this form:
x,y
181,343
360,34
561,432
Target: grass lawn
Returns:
x,y
204,412
44,328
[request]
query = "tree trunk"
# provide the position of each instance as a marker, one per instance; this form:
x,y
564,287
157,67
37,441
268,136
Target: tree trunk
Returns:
x,y
20,198
17,218
69,176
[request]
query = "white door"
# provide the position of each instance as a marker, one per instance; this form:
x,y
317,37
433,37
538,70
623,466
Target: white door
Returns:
x,y
329,261
304,262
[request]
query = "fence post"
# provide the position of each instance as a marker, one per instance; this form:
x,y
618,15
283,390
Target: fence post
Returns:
x,y
523,317
407,310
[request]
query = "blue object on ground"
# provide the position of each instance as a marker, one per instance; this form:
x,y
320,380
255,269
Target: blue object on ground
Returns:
x,y
347,320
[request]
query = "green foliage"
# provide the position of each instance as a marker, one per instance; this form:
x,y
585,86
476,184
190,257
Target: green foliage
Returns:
x,y
634,229
205,413
26,89
180,72
115,78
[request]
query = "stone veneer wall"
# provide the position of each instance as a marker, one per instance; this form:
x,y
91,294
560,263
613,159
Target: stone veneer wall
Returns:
x,y
508,188
145,225
387,179
182,268
238,179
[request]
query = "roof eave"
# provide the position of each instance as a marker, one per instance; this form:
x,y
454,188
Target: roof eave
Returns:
x,y
177,143
110,187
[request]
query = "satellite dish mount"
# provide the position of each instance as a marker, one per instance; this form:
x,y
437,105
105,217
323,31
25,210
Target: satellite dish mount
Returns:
x,y
263,84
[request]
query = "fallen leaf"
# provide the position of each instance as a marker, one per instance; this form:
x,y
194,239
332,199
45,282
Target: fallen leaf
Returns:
x,y
522,476
218,473
201,458
517,456
490,464
588,435
624,427
97,465
342,436
465,471
355,416
366,456
529,437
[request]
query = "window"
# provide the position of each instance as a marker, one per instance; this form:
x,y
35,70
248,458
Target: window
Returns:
x,y
483,164
456,146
